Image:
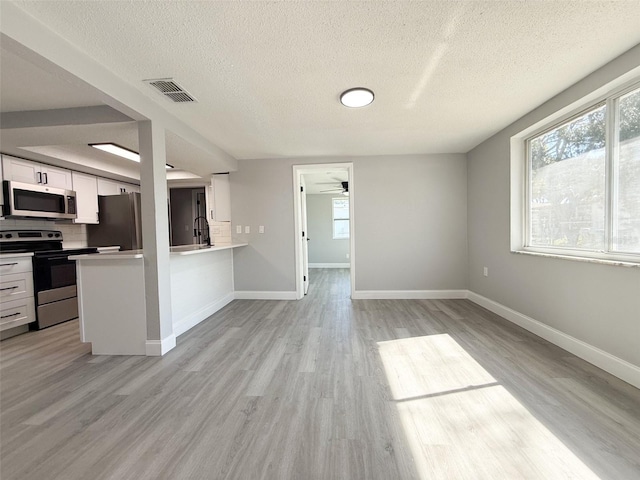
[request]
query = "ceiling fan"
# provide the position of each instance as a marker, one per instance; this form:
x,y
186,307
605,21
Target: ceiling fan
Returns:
x,y
343,188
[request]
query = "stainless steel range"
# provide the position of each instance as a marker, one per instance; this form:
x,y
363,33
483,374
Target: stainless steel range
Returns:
x,y
54,275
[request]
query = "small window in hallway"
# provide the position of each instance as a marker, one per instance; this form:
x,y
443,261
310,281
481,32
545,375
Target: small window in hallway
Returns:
x,y
340,218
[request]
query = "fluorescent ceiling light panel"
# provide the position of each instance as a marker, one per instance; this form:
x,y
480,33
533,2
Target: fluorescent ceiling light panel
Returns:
x,y
121,152
356,97
114,149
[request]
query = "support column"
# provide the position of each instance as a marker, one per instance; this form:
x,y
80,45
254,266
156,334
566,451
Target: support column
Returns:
x,y
155,236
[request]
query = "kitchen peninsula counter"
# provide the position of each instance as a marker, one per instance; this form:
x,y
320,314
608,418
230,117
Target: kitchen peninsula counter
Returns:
x,y
111,294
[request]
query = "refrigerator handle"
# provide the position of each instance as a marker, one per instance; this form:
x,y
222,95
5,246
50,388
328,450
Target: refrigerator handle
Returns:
x,y
137,217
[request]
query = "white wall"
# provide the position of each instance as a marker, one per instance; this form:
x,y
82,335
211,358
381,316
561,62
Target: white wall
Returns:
x,y
595,303
323,248
410,222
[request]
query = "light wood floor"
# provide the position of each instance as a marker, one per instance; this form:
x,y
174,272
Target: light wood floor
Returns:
x,y
321,388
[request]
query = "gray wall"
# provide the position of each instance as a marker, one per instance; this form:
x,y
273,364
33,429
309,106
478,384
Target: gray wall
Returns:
x,y
410,222
323,248
598,304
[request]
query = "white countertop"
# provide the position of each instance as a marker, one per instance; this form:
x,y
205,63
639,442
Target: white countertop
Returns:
x,y
14,255
196,249
175,251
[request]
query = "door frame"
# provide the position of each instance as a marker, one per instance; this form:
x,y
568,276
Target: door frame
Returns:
x,y
298,171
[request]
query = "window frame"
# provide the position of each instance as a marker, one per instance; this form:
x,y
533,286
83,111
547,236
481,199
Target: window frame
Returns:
x,y
521,172
333,218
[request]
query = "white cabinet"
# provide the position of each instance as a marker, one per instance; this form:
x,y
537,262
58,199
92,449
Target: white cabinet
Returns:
x,y
112,187
18,170
16,292
108,187
221,198
86,188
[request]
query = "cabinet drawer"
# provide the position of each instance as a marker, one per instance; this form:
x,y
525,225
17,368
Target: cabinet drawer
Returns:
x,y
16,313
15,286
10,265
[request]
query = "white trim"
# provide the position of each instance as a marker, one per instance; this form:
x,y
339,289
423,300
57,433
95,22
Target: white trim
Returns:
x,y
182,325
157,348
298,171
248,295
329,265
409,294
615,366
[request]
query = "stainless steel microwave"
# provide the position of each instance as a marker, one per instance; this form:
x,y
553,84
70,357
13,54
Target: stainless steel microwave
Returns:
x,y
27,200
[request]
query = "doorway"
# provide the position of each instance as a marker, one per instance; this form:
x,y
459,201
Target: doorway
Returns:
x,y
301,175
185,205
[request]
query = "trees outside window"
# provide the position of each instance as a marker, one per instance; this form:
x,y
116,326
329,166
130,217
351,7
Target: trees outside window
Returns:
x,y
583,185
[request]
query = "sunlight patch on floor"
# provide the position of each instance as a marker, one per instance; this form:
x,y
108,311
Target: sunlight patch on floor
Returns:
x,y
458,419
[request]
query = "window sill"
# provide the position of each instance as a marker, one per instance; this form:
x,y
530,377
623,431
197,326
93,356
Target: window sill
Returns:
x,y
618,263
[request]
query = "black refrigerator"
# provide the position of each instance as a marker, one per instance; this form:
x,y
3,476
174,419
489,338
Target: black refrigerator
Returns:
x,y
120,222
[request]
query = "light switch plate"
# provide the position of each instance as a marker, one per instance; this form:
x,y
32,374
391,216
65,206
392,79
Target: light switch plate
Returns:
x,y
261,229
247,229
238,228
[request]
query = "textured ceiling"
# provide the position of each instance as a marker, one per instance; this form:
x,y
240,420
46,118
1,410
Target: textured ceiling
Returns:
x,y
267,75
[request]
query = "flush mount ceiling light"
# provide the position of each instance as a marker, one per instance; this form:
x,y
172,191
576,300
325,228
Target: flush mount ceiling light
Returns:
x,y
356,97
115,149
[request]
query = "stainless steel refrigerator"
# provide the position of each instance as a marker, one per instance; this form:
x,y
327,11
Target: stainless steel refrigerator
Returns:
x,y
120,222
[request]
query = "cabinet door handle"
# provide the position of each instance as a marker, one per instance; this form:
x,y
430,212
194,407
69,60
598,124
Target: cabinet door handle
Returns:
x,y
8,288
46,180
8,264
39,177
12,315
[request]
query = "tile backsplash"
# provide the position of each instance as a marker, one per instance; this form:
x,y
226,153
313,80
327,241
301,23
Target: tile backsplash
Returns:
x,y
220,233
73,235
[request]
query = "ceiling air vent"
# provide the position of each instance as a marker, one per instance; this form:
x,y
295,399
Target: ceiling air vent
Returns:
x,y
171,90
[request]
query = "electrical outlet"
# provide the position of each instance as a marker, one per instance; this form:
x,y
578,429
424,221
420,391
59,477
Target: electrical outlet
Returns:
x,y
486,271
347,255
261,229
238,228
247,229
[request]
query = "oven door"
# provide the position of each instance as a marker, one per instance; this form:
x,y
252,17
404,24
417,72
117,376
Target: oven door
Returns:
x,y
55,289
52,271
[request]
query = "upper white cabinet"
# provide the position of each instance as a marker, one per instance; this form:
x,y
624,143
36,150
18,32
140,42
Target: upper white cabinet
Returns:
x,y
108,187
221,198
111,187
18,170
86,188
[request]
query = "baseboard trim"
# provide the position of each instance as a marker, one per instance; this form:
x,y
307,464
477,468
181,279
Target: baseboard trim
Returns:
x,y
329,265
615,366
191,320
248,295
408,294
157,348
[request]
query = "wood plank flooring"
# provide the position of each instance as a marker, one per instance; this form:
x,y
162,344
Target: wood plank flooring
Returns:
x,y
321,388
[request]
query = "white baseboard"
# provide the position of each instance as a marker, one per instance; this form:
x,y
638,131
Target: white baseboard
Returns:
x,y
615,366
408,294
191,320
247,295
157,348
329,265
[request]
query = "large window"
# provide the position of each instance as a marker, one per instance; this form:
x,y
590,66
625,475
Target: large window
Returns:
x,y
583,182
340,207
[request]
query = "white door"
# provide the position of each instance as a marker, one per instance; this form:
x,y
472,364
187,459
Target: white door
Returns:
x,y
56,177
86,188
23,171
305,238
108,187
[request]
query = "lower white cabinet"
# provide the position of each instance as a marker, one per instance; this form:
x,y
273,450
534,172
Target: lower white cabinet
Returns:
x,y
16,292
86,188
